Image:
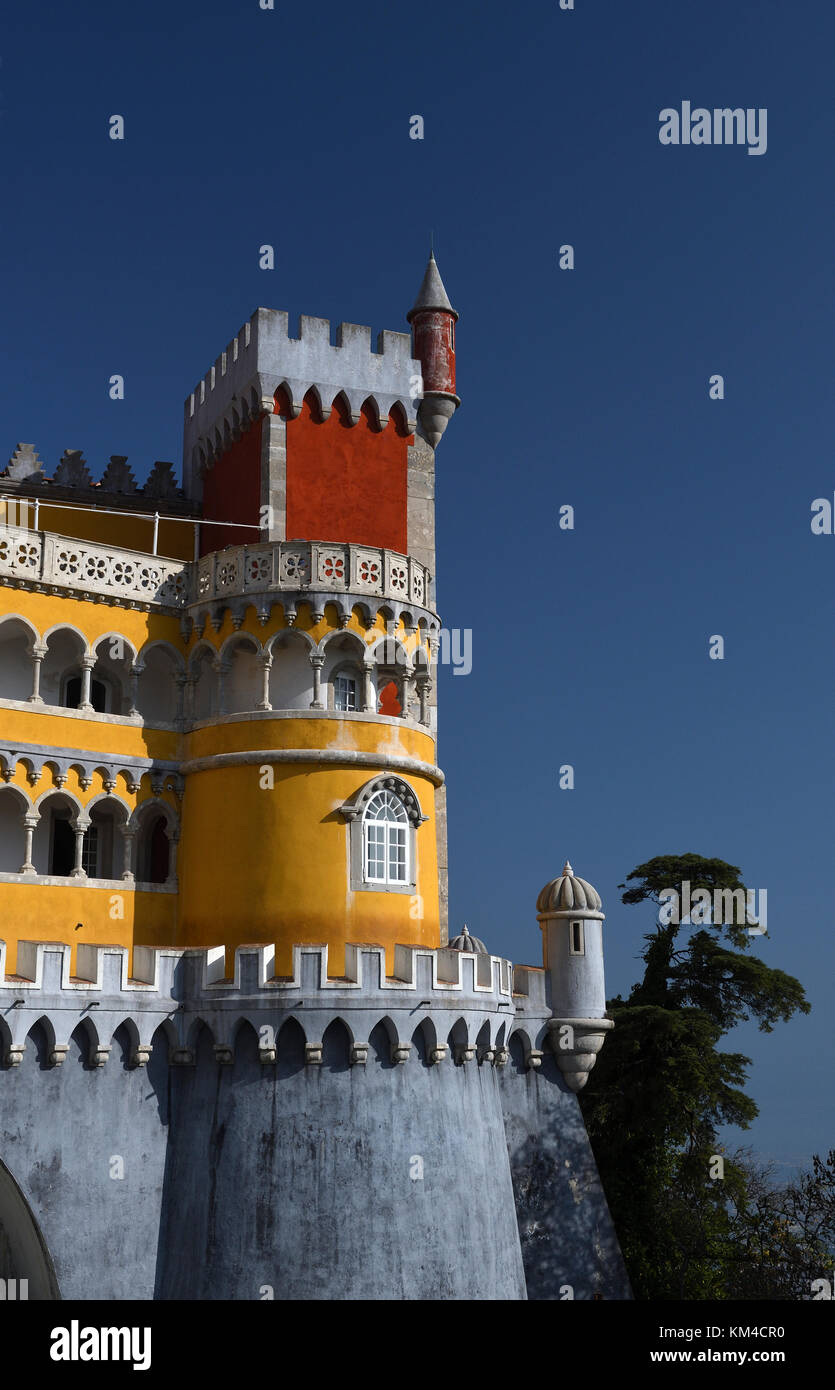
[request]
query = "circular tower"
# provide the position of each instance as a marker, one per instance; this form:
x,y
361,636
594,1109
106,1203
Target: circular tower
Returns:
x,y
313,809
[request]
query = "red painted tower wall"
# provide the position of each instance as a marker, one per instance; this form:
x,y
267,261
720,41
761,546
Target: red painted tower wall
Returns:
x,y
346,482
232,489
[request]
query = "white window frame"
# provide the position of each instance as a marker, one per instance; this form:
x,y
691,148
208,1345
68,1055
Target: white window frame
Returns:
x,y
576,932
349,680
90,850
391,833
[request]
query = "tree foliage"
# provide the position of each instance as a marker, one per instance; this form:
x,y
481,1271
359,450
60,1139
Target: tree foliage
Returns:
x,y
662,1087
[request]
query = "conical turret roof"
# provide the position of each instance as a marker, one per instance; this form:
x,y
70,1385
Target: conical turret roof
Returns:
x,y
431,294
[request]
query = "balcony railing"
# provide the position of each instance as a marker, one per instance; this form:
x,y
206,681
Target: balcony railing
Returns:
x,y
40,559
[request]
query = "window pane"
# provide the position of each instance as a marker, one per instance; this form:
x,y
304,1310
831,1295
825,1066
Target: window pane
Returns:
x,y
397,854
345,693
90,851
375,853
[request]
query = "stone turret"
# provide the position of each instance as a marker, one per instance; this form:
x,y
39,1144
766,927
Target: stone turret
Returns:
x,y
568,910
433,327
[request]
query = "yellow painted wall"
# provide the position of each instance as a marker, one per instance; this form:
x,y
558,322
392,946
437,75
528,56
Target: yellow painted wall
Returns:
x,y
254,865
262,864
94,735
52,912
365,736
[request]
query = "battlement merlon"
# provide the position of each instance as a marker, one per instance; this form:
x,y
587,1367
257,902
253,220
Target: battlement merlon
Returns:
x,y
453,993
195,977
469,1005
262,357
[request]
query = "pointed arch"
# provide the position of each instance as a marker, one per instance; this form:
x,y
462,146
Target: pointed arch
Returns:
x,y
519,1046
336,1046
458,1040
425,1041
86,1038
399,418
373,414
381,1040
342,405
125,1038
290,1045
245,1046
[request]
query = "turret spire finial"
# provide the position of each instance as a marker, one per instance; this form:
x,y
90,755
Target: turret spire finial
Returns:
x,y
567,869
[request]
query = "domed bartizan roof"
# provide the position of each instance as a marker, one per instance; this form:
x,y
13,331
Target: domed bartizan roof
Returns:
x,y
568,893
465,942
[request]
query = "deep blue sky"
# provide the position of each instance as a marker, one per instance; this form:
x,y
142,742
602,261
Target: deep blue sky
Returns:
x,y
587,387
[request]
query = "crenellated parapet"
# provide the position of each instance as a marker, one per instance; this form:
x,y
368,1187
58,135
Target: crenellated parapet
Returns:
x,y
263,359
463,1004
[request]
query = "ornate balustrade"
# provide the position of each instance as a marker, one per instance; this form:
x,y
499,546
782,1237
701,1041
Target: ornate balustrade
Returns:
x,y
299,565
39,559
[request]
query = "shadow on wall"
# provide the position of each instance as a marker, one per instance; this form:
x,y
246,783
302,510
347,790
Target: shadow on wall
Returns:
x,y
564,1221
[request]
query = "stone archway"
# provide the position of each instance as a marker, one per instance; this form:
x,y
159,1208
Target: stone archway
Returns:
x,y
23,1251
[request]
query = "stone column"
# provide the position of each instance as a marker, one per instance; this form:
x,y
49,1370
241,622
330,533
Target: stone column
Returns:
x,y
37,654
181,681
266,667
317,661
29,824
79,829
370,701
128,837
188,698
222,668
133,712
424,686
87,664
173,840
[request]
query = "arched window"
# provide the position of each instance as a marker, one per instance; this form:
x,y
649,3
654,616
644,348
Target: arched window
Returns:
x,y
385,839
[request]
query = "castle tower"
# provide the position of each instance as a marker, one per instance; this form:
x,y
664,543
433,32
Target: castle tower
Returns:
x,y
223,873
322,445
